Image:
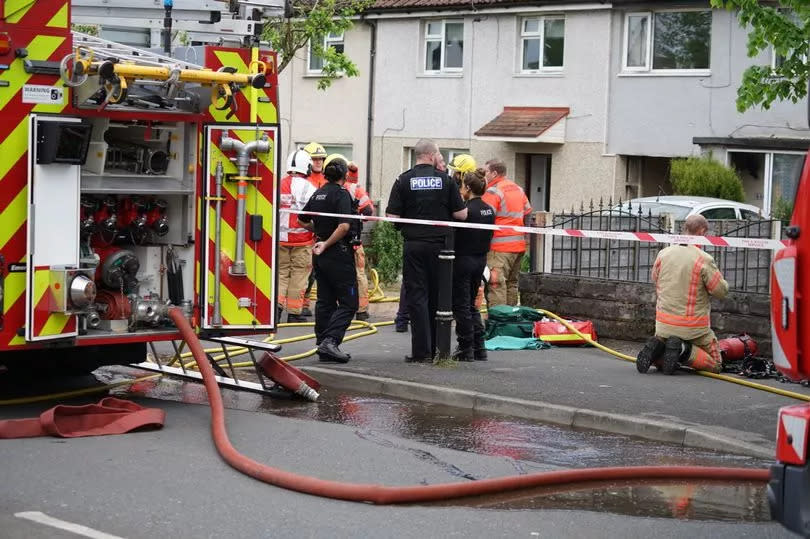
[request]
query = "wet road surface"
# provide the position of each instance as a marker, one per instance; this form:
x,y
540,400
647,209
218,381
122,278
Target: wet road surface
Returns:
x,y
528,446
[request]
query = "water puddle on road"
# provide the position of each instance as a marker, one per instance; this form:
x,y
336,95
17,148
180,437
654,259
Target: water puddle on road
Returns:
x,y
528,445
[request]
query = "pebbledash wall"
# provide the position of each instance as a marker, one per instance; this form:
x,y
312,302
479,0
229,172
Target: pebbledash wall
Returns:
x,y
626,310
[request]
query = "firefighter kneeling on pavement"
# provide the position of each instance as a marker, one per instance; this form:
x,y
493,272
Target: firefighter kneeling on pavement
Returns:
x,y
685,278
334,262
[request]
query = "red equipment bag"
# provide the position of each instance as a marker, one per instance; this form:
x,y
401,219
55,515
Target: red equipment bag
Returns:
x,y
555,333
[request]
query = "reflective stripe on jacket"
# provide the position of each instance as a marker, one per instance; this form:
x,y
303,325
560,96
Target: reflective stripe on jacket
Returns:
x,y
511,205
359,194
685,277
295,192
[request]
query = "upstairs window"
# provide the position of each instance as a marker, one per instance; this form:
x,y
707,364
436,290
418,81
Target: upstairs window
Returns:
x,y
333,40
667,41
444,46
542,44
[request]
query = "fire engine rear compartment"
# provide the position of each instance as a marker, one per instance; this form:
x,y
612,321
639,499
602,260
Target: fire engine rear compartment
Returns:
x,y
136,228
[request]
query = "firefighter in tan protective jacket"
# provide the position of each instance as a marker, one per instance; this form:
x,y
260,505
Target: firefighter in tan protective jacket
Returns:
x,y
685,278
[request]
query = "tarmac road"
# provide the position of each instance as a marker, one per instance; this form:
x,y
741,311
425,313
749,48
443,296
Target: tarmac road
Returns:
x,y
171,483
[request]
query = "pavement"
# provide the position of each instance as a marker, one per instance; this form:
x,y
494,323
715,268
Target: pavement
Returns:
x,y
576,386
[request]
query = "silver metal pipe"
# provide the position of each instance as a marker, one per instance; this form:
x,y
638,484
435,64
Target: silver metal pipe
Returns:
x,y
243,151
216,318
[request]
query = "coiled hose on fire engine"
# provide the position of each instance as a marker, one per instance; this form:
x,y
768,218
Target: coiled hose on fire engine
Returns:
x,y
379,494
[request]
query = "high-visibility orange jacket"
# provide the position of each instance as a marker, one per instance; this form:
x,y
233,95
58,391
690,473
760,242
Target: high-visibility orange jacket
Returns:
x,y
685,276
359,194
295,192
317,179
511,205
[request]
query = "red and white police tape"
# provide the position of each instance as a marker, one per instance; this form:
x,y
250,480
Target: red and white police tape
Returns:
x,y
716,241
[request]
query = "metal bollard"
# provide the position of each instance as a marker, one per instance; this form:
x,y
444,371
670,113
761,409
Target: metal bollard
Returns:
x,y
444,311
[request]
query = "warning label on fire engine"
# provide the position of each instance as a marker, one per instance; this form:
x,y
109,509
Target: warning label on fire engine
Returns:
x,y
38,93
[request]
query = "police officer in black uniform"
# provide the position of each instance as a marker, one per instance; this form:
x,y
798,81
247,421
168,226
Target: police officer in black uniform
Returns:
x,y
334,262
424,193
472,246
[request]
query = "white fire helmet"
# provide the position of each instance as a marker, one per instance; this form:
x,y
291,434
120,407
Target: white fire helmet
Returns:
x,y
299,161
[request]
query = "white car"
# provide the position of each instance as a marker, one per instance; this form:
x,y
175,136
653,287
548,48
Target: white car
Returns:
x,y
681,207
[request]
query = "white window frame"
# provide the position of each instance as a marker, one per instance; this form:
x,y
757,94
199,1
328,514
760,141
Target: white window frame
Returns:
x,y
443,40
540,35
648,68
767,180
329,40
451,154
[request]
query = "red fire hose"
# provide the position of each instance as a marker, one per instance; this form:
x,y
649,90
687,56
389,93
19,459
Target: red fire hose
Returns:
x,y
379,494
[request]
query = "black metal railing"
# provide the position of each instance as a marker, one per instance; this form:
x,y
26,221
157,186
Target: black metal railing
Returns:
x,y
746,270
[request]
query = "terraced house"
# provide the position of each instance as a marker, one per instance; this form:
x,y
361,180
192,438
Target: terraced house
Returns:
x,y
581,99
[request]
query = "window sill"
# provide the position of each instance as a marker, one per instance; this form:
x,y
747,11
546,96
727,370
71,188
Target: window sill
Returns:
x,y
539,74
316,75
668,73
445,75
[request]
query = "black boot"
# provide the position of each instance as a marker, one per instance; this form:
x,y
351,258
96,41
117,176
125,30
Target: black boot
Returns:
x,y
296,318
328,351
463,354
362,316
306,312
652,351
479,350
673,351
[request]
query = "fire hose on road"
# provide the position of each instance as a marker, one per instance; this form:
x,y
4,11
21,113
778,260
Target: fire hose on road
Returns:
x,y
379,494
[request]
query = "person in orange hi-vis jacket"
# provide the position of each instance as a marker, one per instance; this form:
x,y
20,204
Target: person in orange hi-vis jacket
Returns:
x,y
364,206
507,247
685,278
318,154
295,242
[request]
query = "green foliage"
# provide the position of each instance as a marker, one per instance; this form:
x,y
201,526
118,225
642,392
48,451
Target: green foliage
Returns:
x,y
385,252
525,264
782,209
311,21
784,27
703,176
89,29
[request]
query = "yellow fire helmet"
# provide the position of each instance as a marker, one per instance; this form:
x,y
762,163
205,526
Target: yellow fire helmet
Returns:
x,y
334,156
315,150
463,164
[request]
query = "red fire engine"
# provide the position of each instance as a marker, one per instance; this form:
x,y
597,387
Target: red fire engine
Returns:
x,y
130,182
789,489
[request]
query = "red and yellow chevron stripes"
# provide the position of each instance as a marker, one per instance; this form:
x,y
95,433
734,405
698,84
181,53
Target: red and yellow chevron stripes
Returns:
x,y
259,256
37,13
258,286
41,27
267,112
46,323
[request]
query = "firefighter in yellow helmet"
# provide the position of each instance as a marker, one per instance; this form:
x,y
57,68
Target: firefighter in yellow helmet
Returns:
x,y
361,204
317,179
461,165
318,155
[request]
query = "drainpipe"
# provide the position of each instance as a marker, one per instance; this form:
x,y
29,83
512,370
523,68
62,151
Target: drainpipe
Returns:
x,y
243,151
371,71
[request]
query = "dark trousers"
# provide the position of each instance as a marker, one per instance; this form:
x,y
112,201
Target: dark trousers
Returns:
x,y
402,317
468,270
337,292
420,275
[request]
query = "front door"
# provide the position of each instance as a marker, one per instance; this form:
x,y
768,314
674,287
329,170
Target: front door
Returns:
x,y
539,181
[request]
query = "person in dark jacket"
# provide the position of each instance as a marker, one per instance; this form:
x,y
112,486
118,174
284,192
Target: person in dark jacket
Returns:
x,y
334,262
471,248
424,193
